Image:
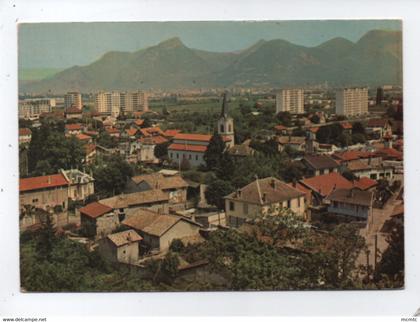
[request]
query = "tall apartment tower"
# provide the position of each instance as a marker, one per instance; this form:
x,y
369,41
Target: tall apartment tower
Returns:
x,y
73,99
290,100
351,101
225,124
134,101
113,103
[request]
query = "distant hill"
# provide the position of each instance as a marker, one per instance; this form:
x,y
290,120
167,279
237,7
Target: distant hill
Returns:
x,y
32,74
375,59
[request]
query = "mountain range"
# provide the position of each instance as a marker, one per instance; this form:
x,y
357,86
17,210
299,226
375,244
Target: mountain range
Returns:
x,y
374,59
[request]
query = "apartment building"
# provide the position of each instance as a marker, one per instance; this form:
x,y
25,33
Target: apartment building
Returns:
x,y
73,99
31,109
113,103
290,100
351,101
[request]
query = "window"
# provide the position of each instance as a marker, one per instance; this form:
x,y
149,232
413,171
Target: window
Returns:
x,y
299,202
34,200
230,127
222,128
189,157
177,156
231,206
289,203
172,155
196,157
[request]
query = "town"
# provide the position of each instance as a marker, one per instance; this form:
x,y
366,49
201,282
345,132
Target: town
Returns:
x,y
212,189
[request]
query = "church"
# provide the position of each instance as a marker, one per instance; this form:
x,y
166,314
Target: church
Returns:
x,y
193,146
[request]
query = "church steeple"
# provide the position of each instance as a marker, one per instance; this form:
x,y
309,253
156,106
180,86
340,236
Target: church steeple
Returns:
x,y
225,123
225,106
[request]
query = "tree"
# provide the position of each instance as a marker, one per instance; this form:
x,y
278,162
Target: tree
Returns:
x,y
161,150
227,166
392,260
292,172
214,152
315,119
358,138
46,238
185,165
170,265
216,191
284,118
176,245
111,175
106,140
358,128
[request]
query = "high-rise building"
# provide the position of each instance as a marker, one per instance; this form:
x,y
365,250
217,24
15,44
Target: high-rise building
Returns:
x,y
134,101
73,99
225,124
351,101
113,103
290,100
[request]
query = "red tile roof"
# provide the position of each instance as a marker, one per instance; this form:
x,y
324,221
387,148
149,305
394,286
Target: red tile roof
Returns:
x,y
326,183
83,137
193,137
352,155
131,131
95,210
25,131
171,133
72,127
187,147
139,122
390,153
365,183
149,131
35,183
153,140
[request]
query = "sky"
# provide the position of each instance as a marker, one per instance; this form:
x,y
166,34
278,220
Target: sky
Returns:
x,y
62,45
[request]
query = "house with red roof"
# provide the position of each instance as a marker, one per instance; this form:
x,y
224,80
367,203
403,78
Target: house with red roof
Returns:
x,y
73,113
98,220
321,186
44,192
189,146
378,128
73,129
25,135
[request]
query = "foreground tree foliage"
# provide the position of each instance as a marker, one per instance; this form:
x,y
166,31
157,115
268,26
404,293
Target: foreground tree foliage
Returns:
x,y
282,253
62,265
50,150
111,175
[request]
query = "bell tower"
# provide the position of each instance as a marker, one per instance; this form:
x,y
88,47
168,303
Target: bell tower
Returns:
x,y
225,124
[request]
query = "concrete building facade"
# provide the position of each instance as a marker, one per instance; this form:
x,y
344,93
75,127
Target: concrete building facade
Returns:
x,y
290,100
351,101
73,99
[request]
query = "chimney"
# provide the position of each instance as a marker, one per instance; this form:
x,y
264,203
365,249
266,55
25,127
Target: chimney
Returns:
x,y
273,183
238,193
